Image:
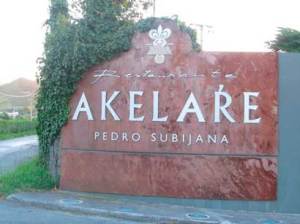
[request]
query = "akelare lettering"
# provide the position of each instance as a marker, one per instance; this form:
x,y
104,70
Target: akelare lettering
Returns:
x,y
222,103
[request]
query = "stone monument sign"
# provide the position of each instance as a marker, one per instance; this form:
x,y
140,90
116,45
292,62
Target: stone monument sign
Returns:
x,y
165,120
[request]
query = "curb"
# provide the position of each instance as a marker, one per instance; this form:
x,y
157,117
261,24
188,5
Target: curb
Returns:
x,y
75,208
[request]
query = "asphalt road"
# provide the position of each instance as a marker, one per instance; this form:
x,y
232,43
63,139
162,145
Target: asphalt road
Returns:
x,y
15,151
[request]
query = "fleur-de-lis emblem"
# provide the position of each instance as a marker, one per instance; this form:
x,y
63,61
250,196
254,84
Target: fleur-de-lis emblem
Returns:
x,y
160,46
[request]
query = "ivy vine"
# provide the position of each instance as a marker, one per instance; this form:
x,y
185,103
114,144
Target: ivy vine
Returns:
x,y
74,45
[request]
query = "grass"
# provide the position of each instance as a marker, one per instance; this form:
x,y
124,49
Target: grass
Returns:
x,y
5,136
27,177
16,128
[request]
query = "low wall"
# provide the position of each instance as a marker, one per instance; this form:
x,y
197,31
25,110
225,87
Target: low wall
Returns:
x,y
288,195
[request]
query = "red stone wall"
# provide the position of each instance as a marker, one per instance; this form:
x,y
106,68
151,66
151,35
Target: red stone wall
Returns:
x,y
243,168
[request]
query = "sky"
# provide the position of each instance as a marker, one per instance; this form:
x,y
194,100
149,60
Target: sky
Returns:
x,y
235,25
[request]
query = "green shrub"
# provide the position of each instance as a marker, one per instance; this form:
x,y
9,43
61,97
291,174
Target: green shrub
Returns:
x,y
15,128
4,116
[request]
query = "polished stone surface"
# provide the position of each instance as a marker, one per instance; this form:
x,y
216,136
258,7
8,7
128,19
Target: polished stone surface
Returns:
x,y
243,168
170,175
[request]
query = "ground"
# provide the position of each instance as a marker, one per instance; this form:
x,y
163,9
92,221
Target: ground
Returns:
x,y
71,207
134,209
19,214
13,152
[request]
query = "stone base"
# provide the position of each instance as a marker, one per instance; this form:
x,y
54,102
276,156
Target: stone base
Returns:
x,y
54,160
182,176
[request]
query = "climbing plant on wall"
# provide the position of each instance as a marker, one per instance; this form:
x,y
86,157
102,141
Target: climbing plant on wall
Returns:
x,y
73,45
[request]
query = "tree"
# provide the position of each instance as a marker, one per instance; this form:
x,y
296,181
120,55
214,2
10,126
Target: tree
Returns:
x,y
74,45
287,40
59,13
